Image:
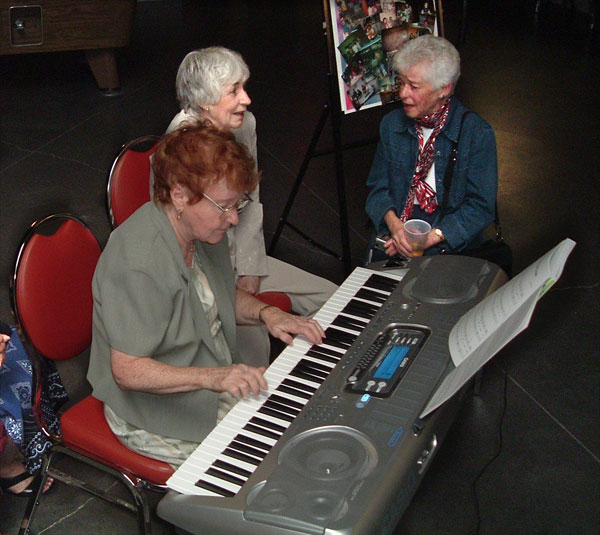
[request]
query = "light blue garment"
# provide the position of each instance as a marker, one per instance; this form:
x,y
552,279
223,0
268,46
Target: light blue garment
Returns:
x,y
471,203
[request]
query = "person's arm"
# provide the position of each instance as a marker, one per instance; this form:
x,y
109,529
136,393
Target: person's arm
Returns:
x,y
249,242
251,311
478,178
379,199
144,374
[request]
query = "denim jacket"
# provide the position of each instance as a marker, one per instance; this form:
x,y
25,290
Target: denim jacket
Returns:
x,y
471,203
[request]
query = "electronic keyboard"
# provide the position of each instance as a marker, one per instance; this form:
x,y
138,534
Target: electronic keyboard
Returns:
x,y
336,445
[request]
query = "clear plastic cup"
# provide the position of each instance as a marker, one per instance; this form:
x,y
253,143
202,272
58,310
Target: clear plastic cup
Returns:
x,y
416,231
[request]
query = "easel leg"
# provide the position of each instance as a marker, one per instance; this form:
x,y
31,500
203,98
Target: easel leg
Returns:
x,y
298,182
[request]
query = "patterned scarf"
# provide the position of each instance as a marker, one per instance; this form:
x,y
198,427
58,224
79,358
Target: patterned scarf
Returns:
x,y
419,188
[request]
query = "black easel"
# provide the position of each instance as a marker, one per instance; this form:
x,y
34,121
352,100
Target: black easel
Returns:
x,y
334,112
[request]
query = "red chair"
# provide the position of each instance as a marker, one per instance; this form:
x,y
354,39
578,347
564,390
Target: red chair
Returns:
x,y
51,297
129,187
129,179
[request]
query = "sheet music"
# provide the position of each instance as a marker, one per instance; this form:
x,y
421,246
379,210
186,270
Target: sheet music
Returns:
x,y
495,321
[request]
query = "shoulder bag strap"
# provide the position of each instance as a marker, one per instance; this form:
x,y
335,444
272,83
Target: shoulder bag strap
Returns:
x,y
448,179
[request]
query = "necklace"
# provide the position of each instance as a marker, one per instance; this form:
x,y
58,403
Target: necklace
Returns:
x,y
189,256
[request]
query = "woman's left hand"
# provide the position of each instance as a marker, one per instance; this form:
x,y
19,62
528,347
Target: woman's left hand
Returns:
x,y
283,325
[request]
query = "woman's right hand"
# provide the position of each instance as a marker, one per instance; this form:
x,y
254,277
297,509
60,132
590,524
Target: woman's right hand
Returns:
x,y
240,380
397,244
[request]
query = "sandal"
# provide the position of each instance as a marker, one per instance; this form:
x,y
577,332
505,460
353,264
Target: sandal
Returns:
x,y
6,483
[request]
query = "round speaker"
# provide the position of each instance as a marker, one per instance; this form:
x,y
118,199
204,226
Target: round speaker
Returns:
x,y
330,453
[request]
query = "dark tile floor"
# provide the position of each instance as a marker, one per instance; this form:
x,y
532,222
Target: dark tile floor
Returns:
x,y
534,468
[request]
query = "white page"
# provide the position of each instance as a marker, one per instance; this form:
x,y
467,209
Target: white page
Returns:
x,y
495,321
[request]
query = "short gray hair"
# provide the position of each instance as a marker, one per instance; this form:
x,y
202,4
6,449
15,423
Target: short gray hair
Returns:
x,y
204,74
439,53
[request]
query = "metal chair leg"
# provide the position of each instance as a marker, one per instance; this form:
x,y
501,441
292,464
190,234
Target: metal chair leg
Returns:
x,y
135,486
34,501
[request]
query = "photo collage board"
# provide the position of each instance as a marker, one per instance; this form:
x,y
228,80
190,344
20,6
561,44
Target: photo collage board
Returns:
x,y
366,35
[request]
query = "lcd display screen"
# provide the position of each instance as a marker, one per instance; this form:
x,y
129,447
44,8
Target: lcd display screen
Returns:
x,y
391,362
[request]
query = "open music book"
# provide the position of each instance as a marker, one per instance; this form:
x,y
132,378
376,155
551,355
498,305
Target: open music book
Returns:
x,y
490,325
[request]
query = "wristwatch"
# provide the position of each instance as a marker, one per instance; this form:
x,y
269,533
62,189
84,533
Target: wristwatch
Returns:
x,y
438,232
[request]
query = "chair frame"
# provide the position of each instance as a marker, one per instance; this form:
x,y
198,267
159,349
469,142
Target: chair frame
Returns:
x,y
126,147
134,484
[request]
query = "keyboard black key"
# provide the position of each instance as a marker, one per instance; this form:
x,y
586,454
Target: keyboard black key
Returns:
x,y
370,295
232,468
313,371
379,282
299,386
350,323
214,488
286,401
326,351
308,377
268,424
342,336
241,456
293,391
276,414
252,442
262,431
324,358
281,407
244,448
225,476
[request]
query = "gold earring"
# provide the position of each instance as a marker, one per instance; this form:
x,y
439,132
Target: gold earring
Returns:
x,y
179,212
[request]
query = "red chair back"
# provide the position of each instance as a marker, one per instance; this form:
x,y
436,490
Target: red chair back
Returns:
x,y
129,179
51,288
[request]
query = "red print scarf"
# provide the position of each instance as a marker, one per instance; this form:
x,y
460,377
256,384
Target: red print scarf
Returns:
x,y
419,188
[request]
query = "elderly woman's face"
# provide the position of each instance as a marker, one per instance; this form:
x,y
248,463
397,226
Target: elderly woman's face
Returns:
x,y
418,96
228,113
205,221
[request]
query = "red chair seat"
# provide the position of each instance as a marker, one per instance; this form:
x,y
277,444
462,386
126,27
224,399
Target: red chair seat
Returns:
x,y
277,299
85,430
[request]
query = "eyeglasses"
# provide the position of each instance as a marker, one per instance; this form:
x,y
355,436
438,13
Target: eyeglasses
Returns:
x,y
238,206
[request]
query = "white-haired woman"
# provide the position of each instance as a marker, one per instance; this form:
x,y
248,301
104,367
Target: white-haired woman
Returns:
x,y
211,87
406,180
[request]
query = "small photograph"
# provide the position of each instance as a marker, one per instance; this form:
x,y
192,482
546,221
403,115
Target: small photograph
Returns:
x,y
353,72
363,90
388,19
373,59
394,38
389,95
350,46
426,10
388,5
373,7
404,13
372,26
355,8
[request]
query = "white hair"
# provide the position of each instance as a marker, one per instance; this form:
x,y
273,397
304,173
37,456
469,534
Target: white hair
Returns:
x,y
205,73
439,53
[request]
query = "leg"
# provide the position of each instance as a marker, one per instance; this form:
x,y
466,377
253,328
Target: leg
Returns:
x,y
308,292
104,67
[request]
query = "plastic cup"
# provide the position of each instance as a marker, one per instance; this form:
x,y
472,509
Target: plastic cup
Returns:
x,y
416,231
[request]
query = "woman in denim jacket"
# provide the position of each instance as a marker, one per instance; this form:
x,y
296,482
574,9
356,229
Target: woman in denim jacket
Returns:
x,y
406,180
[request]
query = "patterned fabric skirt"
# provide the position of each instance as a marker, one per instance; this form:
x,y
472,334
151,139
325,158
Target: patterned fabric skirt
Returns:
x,y
16,413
